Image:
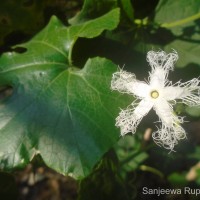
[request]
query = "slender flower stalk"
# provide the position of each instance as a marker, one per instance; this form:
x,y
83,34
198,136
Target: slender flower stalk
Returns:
x,y
158,93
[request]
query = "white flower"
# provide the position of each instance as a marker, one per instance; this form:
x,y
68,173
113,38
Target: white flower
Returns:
x,y
160,94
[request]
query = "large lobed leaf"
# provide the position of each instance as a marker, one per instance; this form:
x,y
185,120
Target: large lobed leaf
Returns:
x,y
63,113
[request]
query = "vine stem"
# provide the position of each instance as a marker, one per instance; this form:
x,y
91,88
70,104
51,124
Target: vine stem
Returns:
x,y
152,170
182,21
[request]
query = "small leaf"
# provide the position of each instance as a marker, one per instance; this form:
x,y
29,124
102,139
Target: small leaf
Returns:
x,y
183,24
193,111
177,179
129,154
128,9
172,28
95,27
165,8
93,9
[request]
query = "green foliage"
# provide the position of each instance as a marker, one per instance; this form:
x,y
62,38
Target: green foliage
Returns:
x,y
184,27
105,181
15,18
130,154
193,111
93,9
177,179
57,110
128,9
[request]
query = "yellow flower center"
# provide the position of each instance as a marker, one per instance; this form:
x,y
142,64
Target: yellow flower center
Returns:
x,y
154,94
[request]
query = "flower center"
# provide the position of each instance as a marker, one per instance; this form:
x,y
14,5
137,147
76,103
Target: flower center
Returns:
x,y
154,94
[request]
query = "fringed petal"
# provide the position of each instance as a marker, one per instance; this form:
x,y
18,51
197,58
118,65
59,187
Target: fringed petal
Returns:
x,y
166,114
158,78
160,63
129,118
161,59
157,94
121,79
126,82
191,92
168,137
172,92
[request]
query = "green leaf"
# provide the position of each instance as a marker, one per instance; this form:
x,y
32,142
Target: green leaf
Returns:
x,y
63,113
128,9
93,9
193,111
135,162
129,153
172,28
183,25
166,8
95,27
177,179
